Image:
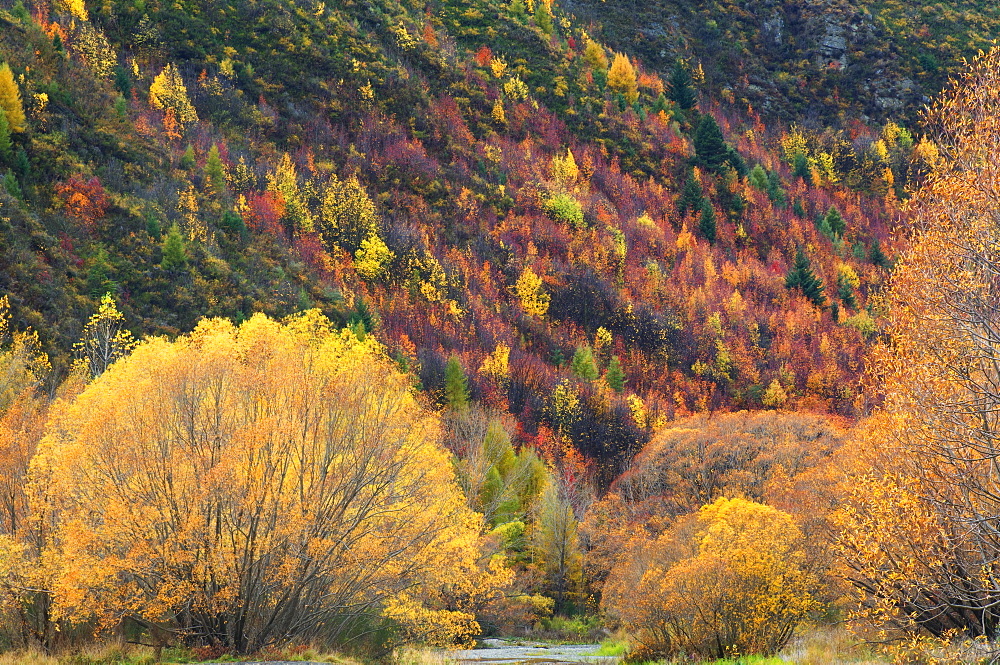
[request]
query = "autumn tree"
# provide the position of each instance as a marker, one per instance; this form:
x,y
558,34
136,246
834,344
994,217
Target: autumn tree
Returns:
x,y
919,531
23,369
169,92
84,199
556,546
532,296
105,339
594,56
730,580
248,503
10,100
622,78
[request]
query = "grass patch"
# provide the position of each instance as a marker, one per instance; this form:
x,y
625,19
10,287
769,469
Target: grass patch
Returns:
x,y
612,647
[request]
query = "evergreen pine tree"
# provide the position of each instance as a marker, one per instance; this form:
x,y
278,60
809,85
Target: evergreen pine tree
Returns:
x,y
680,87
174,251
801,169
835,222
878,257
456,385
20,12
706,223
153,225
615,376
583,364
802,277
691,196
11,185
122,81
774,190
710,148
22,165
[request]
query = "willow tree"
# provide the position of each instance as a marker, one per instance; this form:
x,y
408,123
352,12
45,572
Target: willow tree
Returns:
x,y
921,531
249,485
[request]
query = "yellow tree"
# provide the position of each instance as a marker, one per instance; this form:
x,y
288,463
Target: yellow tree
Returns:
x,y
23,368
347,215
10,100
284,182
169,92
622,78
919,531
254,484
104,340
730,580
534,300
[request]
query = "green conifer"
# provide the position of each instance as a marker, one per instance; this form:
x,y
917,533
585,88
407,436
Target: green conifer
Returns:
x,y
615,376
583,364
680,87
6,146
802,277
456,385
710,148
706,223
174,250
215,171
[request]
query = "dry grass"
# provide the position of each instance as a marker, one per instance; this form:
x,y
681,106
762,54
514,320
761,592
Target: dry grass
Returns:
x,y
414,656
29,657
830,646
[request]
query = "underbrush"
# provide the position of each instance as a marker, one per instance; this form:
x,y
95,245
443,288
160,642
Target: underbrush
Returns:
x,y
569,629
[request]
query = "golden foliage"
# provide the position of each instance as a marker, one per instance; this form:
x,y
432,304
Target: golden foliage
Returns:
x,y
283,182
534,300
10,100
622,78
730,580
104,340
280,479
169,92
497,365
917,531
565,171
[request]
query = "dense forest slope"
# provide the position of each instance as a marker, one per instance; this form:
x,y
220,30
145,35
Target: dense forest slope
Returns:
x,y
596,247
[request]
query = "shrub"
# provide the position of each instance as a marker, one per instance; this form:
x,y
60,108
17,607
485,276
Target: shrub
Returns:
x,y
565,208
728,580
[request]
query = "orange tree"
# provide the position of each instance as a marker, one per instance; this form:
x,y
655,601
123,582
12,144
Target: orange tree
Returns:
x,y
920,534
247,485
728,580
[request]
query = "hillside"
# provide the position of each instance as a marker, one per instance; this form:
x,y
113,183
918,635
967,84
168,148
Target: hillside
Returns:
x,y
813,62
463,182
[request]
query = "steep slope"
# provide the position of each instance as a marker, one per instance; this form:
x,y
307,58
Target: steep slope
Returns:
x,y
464,181
808,61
